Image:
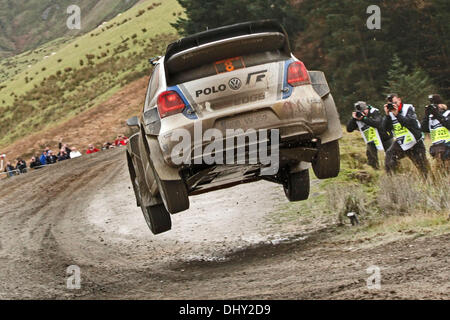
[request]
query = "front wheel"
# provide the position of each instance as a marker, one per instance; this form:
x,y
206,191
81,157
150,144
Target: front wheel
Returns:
x,y
296,186
327,162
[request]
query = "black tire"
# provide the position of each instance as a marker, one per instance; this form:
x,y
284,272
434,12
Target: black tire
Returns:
x,y
157,218
296,187
327,163
133,178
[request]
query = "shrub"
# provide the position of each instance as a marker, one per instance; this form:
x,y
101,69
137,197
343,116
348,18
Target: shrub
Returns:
x,y
404,193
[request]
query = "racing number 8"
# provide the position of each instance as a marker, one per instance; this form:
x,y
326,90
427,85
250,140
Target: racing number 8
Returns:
x,y
229,65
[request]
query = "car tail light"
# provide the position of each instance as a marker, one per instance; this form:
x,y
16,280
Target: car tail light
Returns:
x,y
297,74
169,103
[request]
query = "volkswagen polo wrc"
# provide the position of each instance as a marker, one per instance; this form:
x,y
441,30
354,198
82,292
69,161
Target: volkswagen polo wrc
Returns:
x,y
228,106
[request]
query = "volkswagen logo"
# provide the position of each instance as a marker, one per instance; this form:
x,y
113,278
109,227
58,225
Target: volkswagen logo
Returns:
x,y
235,84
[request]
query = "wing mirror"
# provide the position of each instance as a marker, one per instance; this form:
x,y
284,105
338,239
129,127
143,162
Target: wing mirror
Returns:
x,y
133,122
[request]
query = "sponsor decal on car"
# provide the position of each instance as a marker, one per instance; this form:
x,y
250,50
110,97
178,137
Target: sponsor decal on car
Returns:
x,y
208,91
255,77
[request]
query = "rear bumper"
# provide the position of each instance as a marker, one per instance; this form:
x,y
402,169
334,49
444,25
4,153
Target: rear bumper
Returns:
x,y
302,117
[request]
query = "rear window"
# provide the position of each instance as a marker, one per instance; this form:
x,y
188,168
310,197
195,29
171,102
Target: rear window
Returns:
x,y
226,56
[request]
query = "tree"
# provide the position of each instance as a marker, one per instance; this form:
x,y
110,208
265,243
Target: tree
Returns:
x,y
414,87
207,14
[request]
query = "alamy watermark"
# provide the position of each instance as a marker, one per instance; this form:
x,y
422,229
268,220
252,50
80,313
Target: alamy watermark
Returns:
x,y
74,279
237,146
374,281
74,20
374,20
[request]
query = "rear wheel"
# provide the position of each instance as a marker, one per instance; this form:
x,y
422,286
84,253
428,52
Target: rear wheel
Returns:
x,y
327,162
157,218
296,186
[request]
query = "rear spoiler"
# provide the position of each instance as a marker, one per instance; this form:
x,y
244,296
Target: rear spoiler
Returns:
x,y
235,30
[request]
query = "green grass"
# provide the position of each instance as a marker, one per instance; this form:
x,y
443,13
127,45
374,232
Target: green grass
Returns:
x,y
13,66
26,24
58,87
381,219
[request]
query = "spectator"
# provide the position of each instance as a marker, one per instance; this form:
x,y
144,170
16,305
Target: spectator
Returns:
x,y
21,166
43,157
63,155
51,158
35,163
121,140
106,146
2,158
74,153
9,169
92,149
65,146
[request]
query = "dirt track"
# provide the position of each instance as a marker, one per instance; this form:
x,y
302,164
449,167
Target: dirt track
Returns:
x,y
83,213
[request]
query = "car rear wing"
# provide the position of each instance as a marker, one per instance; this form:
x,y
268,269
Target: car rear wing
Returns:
x,y
226,42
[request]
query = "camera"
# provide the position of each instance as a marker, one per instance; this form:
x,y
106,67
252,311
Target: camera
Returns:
x,y
433,106
359,108
432,100
390,104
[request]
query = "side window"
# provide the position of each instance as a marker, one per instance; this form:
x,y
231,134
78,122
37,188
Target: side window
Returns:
x,y
152,86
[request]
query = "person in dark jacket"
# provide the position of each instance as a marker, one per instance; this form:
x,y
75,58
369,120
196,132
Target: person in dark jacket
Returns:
x,y
401,119
35,163
51,158
62,145
369,121
63,155
436,122
21,166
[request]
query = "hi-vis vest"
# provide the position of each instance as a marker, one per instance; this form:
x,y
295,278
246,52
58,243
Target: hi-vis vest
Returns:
x,y
402,135
370,134
439,133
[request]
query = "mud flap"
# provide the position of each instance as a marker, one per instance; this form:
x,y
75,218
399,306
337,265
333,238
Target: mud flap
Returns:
x,y
142,191
334,129
170,186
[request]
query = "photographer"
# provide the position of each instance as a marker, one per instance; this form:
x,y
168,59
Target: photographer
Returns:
x,y
436,122
369,121
401,119
21,166
51,158
35,163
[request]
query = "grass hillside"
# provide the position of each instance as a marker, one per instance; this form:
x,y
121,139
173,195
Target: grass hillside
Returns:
x,y
26,24
86,71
